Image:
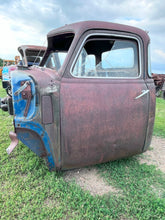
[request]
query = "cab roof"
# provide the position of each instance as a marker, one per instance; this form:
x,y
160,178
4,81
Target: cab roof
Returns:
x,y
81,27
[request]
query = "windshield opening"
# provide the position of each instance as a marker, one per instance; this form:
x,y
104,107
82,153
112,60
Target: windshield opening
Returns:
x,y
55,60
58,47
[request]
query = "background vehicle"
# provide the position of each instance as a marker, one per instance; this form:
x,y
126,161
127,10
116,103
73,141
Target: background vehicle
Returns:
x,y
6,63
31,55
1,72
91,100
159,80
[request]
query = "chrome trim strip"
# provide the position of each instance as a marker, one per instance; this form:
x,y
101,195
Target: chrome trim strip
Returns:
x,y
142,94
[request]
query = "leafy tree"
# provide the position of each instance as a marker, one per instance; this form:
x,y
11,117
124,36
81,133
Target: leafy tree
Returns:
x,y
1,62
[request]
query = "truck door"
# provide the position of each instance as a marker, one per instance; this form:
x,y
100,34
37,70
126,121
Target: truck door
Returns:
x,y
104,104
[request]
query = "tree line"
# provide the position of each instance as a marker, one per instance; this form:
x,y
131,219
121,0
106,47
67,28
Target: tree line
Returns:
x,y
1,62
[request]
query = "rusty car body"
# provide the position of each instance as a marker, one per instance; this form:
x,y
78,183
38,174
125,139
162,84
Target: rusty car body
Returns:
x,y
159,80
91,100
30,54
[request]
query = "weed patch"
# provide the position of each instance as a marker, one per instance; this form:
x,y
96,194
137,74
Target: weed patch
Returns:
x,y
159,127
136,181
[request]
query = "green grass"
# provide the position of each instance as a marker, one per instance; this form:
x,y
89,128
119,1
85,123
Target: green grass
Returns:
x,y
159,127
30,191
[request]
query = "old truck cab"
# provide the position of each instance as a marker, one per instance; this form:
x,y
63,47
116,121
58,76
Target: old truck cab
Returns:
x,y
91,100
30,54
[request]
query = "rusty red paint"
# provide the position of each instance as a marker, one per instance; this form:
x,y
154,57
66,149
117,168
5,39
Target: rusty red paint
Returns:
x,y
14,142
90,120
101,122
159,79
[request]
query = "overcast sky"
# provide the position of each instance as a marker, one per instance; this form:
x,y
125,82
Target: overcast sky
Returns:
x,y
28,22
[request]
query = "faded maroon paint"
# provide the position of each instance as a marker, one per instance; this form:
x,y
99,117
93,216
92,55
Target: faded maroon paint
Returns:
x,y
151,113
81,28
31,48
94,120
100,122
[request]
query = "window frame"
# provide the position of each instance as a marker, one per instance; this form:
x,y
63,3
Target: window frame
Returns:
x,y
149,63
51,55
124,36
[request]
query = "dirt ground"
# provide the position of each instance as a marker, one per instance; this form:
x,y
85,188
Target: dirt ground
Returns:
x,y
156,154
90,180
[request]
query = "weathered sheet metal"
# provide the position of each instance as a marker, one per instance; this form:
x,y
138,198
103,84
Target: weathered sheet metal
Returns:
x,y
159,80
31,54
77,121
111,124
14,142
151,113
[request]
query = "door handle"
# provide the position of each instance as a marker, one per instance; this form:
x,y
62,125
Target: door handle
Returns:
x,y
142,94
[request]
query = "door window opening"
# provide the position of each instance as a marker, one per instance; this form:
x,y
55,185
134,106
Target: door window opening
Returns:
x,y
107,57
